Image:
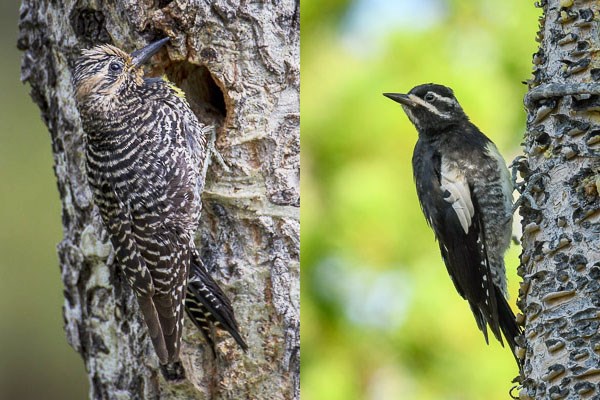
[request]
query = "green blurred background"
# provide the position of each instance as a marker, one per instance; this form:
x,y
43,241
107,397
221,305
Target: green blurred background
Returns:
x,y
35,360
380,316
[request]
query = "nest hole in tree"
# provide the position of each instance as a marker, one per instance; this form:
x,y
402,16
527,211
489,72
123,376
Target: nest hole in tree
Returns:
x,y
201,91
89,25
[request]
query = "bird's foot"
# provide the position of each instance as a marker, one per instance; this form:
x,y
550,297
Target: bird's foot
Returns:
x,y
214,153
518,165
526,189
173,372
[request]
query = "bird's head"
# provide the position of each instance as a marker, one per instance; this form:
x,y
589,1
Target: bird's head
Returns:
x,y
430,107
105,71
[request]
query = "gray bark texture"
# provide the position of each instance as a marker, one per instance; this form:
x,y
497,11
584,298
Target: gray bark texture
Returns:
x,y
560,293
238,63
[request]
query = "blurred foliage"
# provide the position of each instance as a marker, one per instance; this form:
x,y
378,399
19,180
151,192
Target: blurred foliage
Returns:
x,y
35,360
362,230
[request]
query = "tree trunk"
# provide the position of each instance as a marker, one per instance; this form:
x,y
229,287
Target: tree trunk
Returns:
x,y
561,241
238,63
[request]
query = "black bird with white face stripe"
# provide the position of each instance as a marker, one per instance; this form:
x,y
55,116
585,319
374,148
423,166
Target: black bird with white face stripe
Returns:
x,y
431,108
465,191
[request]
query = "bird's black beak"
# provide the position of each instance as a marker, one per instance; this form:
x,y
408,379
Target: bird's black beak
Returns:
x,y
142,55
400,98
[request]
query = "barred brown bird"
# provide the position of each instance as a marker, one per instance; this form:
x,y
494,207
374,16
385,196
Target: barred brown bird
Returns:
x,y
145,152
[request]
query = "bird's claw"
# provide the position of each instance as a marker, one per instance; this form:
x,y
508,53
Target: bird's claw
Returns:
x,y
214,153
525,189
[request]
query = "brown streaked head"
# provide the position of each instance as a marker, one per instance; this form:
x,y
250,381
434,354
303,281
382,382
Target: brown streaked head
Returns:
x,y
104,71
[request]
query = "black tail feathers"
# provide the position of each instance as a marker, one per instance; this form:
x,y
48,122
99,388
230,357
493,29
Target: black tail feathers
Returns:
x,y
508,324
206,304
501,322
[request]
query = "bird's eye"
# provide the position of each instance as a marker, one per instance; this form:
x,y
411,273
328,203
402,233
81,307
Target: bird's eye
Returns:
x,y
429,97
115,67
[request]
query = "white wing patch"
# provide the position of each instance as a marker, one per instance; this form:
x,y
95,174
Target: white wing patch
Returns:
x,y
455,183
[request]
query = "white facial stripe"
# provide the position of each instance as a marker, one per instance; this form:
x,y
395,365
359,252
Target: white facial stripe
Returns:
x,y
456,184
407,110
446,100
428,106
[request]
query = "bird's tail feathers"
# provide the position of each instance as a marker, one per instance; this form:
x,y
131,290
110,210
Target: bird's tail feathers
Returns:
x,y
207,304
154,327
508,323
481,321
171,323
505,324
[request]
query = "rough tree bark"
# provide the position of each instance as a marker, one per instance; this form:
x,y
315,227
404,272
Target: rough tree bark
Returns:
x,y
238,63
561,241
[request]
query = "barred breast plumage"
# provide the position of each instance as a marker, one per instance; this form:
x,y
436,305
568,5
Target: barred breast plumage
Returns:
x,y
145,152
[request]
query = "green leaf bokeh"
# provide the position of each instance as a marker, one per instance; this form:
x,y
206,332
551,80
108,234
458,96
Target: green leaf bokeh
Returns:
x,y
362,230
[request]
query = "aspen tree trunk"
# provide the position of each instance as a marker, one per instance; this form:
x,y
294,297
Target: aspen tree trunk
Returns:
x,y
238,63
561,242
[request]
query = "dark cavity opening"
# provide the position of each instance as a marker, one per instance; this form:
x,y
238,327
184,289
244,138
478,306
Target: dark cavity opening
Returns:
x,y
164,3
89,26
201,91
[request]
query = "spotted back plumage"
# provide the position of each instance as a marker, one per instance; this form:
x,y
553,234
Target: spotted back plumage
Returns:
x,y
145,149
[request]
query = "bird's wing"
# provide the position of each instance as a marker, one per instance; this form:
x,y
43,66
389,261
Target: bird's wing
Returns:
x,y
162,226
127,253
195,137
163,234
170,279
465,256
453,181
135,269
193,132
452,210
